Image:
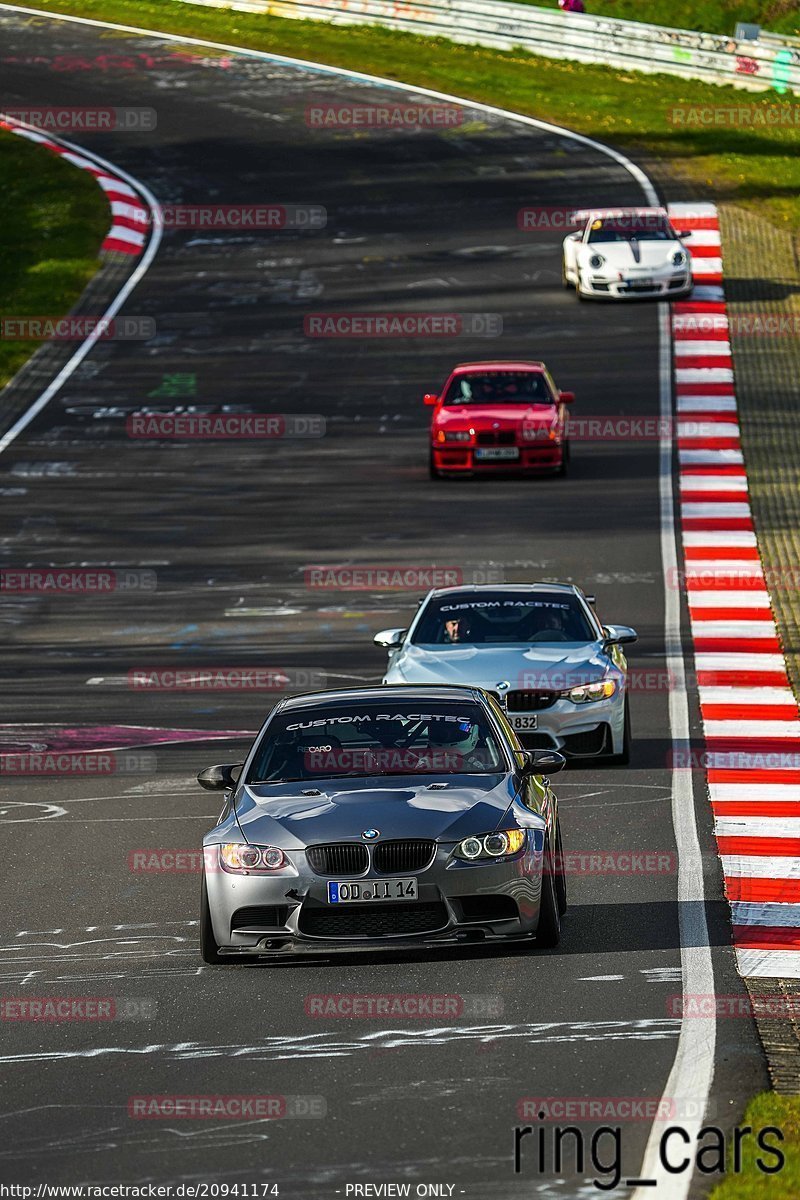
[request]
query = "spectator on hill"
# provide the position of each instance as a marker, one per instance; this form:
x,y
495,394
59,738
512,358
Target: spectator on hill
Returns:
x,y
572,5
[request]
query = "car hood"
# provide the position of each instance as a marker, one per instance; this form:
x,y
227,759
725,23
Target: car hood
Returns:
x,y
557,665
483,416
627,255
398,806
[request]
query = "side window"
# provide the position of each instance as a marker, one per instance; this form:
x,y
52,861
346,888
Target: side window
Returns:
x,y
511,737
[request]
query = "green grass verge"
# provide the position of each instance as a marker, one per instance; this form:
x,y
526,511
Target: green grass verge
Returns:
x,y
54,218
711,16
751,1183
756,167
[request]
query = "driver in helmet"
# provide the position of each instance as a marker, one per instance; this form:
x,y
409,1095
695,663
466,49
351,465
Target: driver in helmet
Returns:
x,y
454,744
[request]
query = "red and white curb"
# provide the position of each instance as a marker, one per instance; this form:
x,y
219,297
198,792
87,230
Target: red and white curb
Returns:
x,y
130,219
750,715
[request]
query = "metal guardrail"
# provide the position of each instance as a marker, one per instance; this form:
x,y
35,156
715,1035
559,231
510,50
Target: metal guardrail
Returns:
x,y
769,62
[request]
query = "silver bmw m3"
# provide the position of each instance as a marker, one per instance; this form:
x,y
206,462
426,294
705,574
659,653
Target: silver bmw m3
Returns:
x,y
539,647
382,818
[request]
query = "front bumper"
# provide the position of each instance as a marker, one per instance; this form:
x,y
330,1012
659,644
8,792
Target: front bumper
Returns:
x,y
663,287
532,457
592,730
298,901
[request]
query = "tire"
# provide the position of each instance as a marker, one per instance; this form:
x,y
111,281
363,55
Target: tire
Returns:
x,y
433,470
562,470
561,879
565,283
548,932
209,950
623,759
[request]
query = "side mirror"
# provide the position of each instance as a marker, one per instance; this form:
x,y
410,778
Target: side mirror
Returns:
x,y
544,762
389,639
619,635
590,599
684,234
430,398
566,397
217,779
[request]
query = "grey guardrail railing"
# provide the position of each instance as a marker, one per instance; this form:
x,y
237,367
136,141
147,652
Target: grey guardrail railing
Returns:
x,y
769,62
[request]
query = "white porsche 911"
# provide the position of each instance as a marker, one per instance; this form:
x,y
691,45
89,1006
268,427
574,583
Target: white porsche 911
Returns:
x,y
624,253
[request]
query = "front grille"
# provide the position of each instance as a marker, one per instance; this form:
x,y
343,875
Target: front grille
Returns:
x,y
497,437
530,701
593,742
342,858
395,858
372,920
261,916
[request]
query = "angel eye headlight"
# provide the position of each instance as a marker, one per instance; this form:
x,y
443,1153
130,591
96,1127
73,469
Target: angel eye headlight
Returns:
x,y
470,848
239,858
499,844
596,262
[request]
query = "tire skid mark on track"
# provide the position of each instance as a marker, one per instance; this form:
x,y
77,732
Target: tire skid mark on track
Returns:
x,y
323,1045
750,715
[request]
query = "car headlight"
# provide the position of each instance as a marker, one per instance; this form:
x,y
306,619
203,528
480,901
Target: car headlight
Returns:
x,y
499,844
539,433
455,435
243,859
679,258
596,262
585,692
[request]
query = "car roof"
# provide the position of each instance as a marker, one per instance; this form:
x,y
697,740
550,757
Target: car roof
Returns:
x,y
385,693
498,365
567,589
584,214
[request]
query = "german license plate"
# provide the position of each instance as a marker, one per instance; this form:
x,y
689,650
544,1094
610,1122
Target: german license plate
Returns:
x,y
497,454
366,891
522,724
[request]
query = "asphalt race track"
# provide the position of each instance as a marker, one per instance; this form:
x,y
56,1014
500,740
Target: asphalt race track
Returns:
x,y
417,221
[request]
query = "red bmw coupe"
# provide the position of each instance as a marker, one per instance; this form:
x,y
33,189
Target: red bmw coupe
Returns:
x,y
499,416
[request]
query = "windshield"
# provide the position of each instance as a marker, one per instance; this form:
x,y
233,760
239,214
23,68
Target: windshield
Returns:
x,y
499,387
388,738
503,617
625,229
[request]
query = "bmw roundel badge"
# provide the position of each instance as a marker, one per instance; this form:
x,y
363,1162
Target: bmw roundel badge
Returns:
x,y
369,835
